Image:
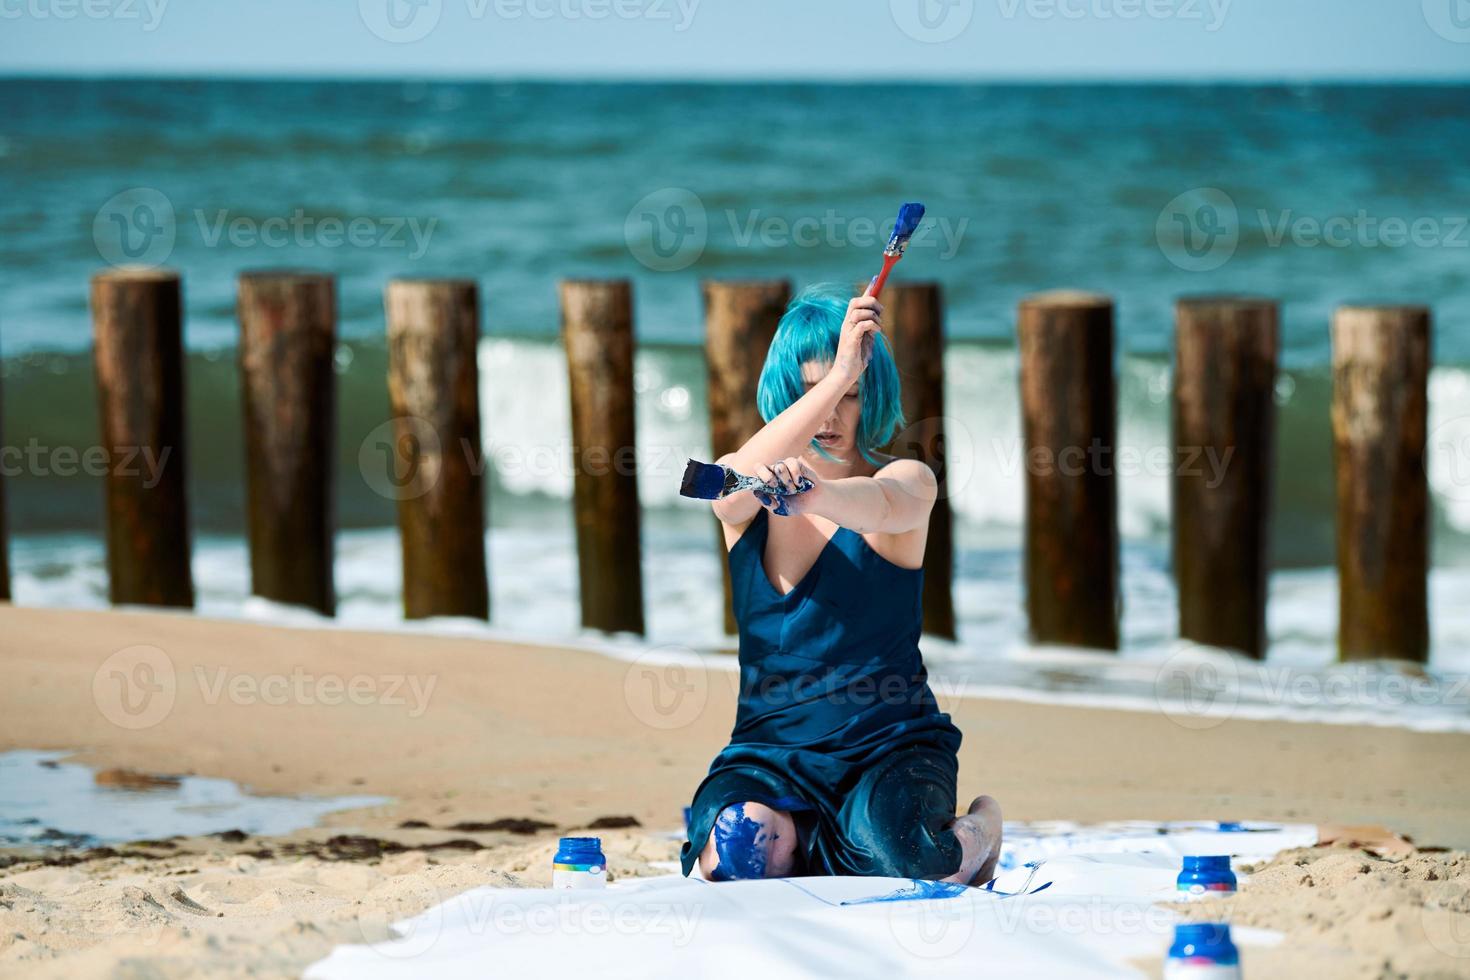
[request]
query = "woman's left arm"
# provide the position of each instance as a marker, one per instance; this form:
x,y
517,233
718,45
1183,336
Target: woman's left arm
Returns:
x,y
896,499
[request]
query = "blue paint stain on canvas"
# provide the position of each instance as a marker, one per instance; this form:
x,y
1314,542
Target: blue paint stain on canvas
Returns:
x,y
917,891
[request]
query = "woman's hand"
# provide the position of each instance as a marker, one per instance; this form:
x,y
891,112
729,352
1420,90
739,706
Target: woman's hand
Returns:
x,y
788,474
855,345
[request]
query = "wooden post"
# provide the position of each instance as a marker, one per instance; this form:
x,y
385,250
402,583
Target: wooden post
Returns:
x,y
740,320
1380,409
1225,439
434,392
914,314
288,334
1069,423
597,329
139,357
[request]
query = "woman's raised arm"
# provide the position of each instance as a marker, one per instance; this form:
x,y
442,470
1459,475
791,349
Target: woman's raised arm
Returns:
x,y
789,433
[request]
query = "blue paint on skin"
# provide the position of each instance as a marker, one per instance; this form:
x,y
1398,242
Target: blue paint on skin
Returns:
x,y
741,844
777,505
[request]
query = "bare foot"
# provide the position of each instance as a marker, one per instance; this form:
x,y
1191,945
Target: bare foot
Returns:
x,y
985,811
979,832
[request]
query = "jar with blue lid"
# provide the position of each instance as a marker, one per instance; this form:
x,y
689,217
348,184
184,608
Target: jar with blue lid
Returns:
x,y
1205,876
1202,951
579,863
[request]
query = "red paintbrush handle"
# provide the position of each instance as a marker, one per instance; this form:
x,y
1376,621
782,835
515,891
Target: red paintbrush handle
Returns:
x,y
876,286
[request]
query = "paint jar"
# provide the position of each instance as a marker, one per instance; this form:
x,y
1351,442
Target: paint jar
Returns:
x,y
1202,951
579,864
1205,876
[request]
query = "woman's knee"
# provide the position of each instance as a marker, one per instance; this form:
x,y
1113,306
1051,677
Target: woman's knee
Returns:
x,y
749,840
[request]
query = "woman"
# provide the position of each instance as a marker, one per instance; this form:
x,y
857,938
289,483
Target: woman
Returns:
x,y
840,761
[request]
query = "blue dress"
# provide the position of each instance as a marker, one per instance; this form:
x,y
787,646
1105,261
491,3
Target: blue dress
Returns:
x,y
836,722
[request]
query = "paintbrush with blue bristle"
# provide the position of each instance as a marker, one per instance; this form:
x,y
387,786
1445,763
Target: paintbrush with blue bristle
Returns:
x,y
909,217
712,481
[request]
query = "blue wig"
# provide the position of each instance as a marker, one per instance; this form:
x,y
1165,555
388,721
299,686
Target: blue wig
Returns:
x,y
809,331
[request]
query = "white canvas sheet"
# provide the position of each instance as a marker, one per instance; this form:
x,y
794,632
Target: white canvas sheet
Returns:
x,y
1072,901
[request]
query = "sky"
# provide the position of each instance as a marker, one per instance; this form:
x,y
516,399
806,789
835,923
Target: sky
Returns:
x,y
861,40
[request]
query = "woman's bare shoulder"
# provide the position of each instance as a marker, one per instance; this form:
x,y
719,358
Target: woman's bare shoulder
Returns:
x,y
904,469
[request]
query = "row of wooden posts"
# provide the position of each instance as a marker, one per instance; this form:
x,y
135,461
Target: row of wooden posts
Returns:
x,y
1224,402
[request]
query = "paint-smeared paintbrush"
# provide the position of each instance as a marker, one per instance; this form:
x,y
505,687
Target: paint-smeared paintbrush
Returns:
x,y
909,217
711,481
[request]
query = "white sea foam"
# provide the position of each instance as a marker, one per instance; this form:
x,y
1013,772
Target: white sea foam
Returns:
x,y
533,586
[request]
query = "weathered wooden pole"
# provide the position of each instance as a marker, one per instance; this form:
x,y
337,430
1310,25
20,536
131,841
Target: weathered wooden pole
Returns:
x,y
288,334
434,393
597,329
139,356
914,315
1069,424
1225,442
740,320
1380,409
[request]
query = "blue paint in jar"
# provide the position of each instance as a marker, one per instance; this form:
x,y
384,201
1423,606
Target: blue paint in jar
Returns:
x,y
1202,951
1205,876
579,863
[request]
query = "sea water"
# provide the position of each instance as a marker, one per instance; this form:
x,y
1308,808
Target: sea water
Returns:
x,y
46,802
521,184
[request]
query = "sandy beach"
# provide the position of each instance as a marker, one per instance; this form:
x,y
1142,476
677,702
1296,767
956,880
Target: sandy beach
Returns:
x,y
466,736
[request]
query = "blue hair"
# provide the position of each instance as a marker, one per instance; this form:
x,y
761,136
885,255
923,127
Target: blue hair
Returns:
x,y
809,331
